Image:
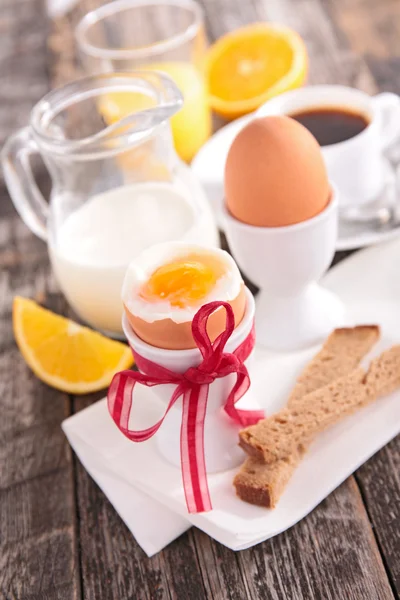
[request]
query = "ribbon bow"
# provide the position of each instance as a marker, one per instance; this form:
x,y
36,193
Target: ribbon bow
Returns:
x,y
193,386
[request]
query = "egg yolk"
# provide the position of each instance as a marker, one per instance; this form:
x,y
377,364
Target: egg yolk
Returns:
x,y
182,282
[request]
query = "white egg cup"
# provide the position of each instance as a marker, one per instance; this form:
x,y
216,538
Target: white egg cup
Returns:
x,y
220,432
292,310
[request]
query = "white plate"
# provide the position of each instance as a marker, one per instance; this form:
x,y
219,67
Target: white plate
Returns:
x,y
209,166
369,284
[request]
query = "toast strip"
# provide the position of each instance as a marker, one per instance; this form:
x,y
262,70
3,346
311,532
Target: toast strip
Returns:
x,y
339,356
263,485
383,376
282,433
341,353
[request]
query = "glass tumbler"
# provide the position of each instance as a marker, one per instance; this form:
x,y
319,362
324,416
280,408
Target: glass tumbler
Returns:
x,y
161,35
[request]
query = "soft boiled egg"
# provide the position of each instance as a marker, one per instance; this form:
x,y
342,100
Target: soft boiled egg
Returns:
x,y
165,286
275,174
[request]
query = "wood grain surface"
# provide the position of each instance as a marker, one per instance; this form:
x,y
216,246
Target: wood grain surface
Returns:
x,y
60,539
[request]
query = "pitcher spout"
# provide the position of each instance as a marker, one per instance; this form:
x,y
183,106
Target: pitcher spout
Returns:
x,y
168,101
127,107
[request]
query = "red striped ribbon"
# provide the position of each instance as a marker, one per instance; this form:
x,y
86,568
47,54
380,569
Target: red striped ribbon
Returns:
x,y
193,386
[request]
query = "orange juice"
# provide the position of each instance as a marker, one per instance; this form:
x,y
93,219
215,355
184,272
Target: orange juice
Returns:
x,y
191,126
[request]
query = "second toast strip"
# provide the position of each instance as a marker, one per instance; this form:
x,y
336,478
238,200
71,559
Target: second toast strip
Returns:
x,y
263,484
285,431
341,354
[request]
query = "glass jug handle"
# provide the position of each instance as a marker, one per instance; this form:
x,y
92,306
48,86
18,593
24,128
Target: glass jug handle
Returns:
x,y
21,184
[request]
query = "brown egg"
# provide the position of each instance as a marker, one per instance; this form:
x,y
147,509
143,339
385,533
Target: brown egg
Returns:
x,y
165,333
275,174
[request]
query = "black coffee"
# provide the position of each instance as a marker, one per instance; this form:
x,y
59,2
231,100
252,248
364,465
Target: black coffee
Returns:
x,y
331,125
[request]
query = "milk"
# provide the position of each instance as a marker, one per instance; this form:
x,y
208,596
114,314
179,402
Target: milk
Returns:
x,y
94,244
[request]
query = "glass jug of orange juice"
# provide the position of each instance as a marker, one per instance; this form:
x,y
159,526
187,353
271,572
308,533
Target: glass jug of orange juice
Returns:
x,y
160,35
116,188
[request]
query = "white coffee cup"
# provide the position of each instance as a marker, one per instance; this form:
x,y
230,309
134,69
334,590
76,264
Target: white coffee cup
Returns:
x,y
356,165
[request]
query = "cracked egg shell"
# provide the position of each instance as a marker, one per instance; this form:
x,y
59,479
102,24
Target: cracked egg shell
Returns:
x,y
160,287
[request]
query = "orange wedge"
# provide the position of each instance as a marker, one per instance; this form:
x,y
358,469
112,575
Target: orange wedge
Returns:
x,y
250,65
62,353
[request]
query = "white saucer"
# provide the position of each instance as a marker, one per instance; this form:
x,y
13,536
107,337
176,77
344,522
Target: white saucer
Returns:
x,y
354,234
209,165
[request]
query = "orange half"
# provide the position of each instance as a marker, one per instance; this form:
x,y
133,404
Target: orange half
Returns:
x,y
250,65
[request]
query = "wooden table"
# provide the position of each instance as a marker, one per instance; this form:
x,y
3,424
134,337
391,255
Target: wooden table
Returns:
x,y
60,539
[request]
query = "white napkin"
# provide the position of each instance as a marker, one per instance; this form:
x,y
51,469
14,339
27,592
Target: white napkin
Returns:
x,y
106,455
153,525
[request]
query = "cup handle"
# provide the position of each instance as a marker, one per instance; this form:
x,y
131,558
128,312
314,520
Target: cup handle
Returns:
x,y
25,194
388,105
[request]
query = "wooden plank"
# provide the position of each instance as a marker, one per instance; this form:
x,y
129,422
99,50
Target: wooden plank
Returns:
x,y
375,39
37,553
37,520
379,481
331,554
23,27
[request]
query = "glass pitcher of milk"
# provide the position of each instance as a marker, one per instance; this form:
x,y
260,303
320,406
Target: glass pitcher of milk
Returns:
x,y
117,186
